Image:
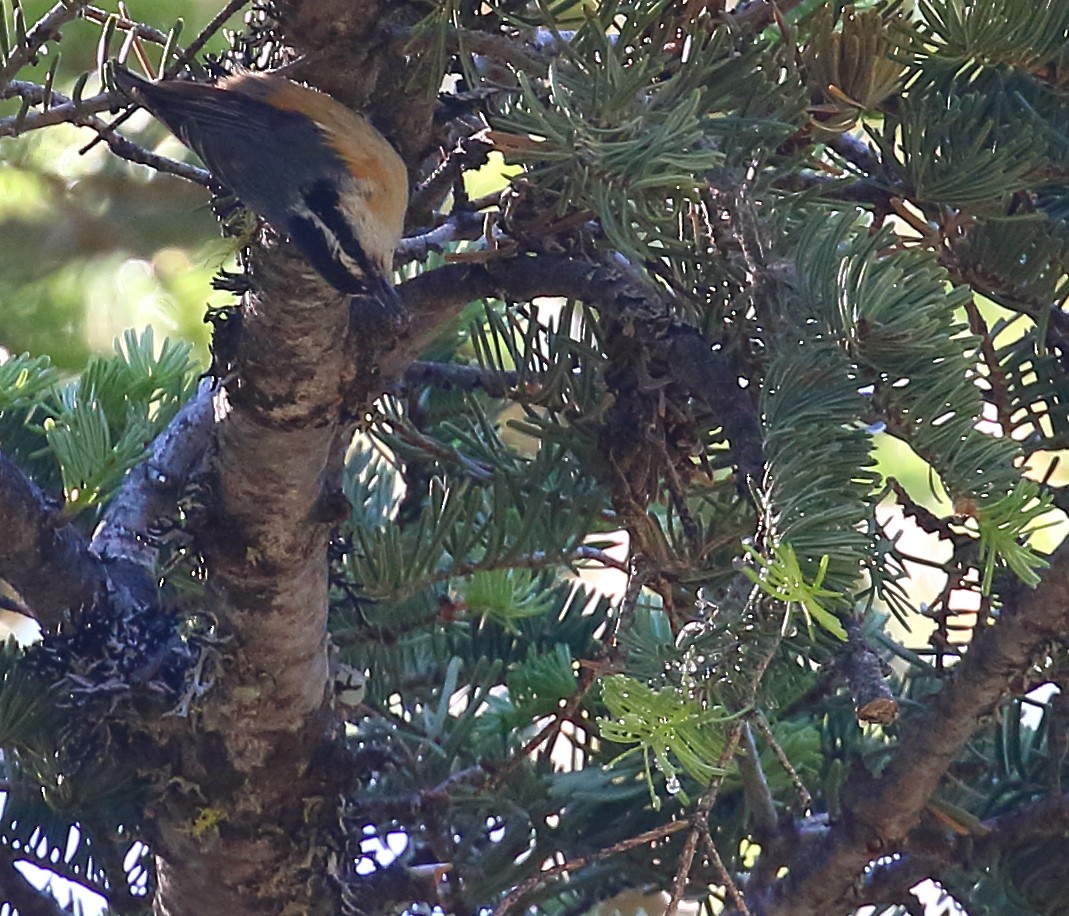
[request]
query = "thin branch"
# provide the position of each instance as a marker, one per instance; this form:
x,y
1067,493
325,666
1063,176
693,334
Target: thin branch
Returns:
x,y
63,113
169,70
81,114
686,861
204,36
578,862
127,149
805,800
141,30
700,820
639,572
537,559
729,882
755,788
998,392
503,48
448,455
452,377
436,296
46,29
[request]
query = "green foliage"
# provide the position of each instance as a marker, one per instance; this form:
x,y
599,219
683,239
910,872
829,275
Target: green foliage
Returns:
x,y
100,426
1004,529
965,150
995,31
505,595
24,380
514,715
631,135
782,578
665,725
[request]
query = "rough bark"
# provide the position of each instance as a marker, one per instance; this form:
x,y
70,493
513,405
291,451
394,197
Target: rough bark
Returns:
x,y
880,812
46,559
245,824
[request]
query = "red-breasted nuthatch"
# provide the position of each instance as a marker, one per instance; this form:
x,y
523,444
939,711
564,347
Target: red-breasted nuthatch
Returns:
x,y
315,170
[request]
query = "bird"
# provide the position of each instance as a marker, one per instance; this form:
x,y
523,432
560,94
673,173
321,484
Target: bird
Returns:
x,y
315,170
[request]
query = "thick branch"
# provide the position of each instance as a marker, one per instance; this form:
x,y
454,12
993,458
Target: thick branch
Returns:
x,y
43,557
879,812
439,295
1045,818
277,425
150,491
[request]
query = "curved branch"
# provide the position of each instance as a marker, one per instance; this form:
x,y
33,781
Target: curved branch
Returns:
x,y
880,811
438,296
44,558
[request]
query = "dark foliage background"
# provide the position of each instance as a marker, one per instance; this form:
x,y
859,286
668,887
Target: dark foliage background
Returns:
x,y
752,317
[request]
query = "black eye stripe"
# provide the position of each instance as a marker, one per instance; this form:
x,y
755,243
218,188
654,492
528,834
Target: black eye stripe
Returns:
x,y
307,233
322,201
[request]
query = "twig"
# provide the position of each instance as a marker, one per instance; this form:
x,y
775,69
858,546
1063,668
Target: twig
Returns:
x,y
444,453
132,152
642,839
501,48
729,882
46,29
205,34
585,552
805,800
123,24
538,559
61,113
755,788
700,820
81,114
463,225
996,376
169,70
459,378
471,152
686,860
639,572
